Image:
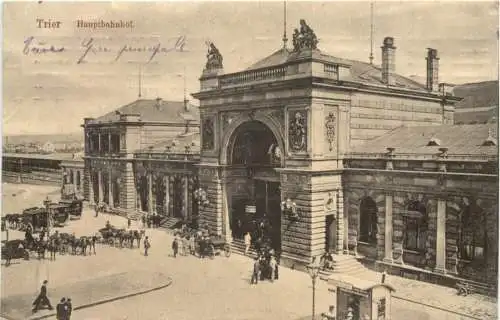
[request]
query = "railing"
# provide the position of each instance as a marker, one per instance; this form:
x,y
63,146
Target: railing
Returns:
x,y
252,76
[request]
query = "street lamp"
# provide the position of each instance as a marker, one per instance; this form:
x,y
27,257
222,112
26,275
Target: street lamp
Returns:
x,y
313,269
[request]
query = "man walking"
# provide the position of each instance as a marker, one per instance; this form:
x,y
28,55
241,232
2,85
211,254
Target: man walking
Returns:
x,y
248,242
146,246
175,246
256,271
42,299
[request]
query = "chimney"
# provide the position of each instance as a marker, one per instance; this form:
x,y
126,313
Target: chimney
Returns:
x,y
388,61
432,69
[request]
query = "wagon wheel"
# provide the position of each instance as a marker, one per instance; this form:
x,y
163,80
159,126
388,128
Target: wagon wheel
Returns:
x,y
227,250
211,251
26,255
111,241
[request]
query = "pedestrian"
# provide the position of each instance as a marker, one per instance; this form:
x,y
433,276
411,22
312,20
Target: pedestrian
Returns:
x,y
42,299
92,243
175,246
272,266
96,208
69,306
248,242
256,271
143,221
147,245
185,245
129,222
62,310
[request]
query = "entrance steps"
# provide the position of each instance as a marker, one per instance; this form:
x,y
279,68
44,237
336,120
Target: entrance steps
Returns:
x,y
345,264
238,246
169,223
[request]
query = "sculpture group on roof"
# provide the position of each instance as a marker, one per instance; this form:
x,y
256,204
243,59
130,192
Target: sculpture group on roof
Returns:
x,y
214,58
305,38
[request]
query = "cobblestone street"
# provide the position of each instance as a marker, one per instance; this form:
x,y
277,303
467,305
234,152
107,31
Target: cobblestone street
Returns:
x,y
200,289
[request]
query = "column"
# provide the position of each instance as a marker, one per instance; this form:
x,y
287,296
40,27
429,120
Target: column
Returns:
x,y
185,185
441,237
228,235
88,186
101,187
150,193
388,228
110,189
171,180
340,222
346,226
128,190
166,204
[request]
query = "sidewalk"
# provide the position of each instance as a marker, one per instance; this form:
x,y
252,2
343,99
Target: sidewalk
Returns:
x,y
87,293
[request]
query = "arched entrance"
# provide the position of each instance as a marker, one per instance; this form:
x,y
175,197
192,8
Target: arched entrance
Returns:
x,y
253,155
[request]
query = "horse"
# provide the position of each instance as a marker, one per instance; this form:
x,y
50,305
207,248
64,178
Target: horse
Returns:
x,y
52,247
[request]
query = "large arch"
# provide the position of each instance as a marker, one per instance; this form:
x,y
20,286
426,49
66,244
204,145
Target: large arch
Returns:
x,y
255,143
232,131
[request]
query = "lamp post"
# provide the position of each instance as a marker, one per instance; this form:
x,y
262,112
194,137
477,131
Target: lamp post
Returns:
x,y
313,269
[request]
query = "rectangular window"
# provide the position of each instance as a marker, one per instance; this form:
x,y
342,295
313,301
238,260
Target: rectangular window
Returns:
x,y
415,235
115,143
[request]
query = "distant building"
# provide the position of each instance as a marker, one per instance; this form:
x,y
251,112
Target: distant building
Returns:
x,y
48,147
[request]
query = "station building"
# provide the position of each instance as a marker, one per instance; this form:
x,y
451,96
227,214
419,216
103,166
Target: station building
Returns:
x,y
334,154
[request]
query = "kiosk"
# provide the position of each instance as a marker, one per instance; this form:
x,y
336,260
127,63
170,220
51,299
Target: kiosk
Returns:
x,y
358,299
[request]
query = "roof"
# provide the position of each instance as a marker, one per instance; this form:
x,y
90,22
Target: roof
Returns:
x,y
177,144
360,71
155,110
343,280
459,139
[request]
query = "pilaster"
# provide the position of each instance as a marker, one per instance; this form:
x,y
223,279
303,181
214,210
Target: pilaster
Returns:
x,y
340,222
100,186
110,188
388,229
150,192
441,237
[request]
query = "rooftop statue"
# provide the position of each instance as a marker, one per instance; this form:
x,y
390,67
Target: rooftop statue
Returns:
x,y
305,38
214,58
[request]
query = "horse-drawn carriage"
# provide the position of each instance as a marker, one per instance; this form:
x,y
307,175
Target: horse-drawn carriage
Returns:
x,y
122,237
14,249
211,246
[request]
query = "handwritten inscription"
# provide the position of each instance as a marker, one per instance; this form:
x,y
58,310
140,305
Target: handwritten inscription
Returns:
x,y
90,45
32,46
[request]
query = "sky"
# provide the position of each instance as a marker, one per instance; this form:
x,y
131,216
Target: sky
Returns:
x,y
51,92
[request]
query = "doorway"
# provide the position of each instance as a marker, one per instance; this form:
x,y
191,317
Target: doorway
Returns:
x,y
268,202
331,233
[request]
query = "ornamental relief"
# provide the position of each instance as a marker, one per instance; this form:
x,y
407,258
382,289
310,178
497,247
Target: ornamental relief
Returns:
x,y
297,131
208,134
331,130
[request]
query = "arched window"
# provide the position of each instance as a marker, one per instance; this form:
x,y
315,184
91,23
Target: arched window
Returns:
x,y
368,221
473,233
415,222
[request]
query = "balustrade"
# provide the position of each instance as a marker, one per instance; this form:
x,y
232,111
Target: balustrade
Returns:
x,y
251,76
